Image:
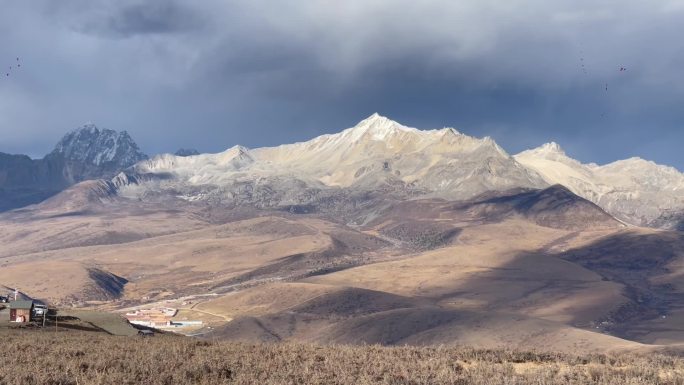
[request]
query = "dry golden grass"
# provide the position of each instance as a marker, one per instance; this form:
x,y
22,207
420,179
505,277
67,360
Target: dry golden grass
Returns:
x,y
298,278
30,357
185,260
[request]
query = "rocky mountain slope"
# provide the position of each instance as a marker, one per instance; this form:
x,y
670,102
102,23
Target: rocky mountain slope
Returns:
x,y
24,181
82,154
376,156
370,162
381,156
379,234
634,190
92,153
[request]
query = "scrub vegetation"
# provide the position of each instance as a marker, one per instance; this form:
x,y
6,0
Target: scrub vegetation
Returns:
x,y
66,358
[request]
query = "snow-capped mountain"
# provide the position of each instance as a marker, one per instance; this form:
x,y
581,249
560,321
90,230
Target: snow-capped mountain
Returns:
x,y
91,145
381,155
82,154
377,154
377,157
92,153
199,169
379,150
634,190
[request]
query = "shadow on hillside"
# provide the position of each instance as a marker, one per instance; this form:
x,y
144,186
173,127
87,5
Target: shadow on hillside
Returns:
x,y
635,261
555,207
529,291
16,199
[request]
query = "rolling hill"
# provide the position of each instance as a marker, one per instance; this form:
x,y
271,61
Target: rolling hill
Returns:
x,y
378,234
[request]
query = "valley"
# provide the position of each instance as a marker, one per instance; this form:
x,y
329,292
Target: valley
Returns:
x,y
356,244
423,272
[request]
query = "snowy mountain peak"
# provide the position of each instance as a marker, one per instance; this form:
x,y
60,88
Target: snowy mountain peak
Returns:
x,y
95,146
240,149
552,147
88,126
489,141
379,122
378,127
235,154
635,190
451,131
374,119
550,150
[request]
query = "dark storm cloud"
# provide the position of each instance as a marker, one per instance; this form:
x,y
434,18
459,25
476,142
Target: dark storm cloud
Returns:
x,y
214,73
151,17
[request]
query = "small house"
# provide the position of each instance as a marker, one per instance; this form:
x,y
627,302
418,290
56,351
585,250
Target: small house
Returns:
x,y
20,311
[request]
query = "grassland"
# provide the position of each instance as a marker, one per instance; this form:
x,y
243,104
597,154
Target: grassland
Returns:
x,y
34,357
420,273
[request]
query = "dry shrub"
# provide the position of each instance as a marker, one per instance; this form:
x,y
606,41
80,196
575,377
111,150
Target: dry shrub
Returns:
x,y
90,358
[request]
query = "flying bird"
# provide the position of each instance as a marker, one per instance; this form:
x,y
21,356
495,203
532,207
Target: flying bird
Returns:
x,y
623,69
10,68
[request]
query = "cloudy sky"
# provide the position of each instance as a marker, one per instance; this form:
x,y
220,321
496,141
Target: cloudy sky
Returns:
x,y
213,73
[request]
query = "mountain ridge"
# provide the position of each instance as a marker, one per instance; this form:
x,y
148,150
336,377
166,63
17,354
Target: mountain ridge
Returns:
x,y
95,146
376,155
378,234
379,154
85,153
634,190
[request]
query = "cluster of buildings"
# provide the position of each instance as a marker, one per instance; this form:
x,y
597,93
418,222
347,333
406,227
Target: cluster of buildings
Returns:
x,y
158,318
17,309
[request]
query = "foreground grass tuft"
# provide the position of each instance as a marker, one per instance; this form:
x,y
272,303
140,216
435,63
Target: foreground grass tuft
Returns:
x,y
89,358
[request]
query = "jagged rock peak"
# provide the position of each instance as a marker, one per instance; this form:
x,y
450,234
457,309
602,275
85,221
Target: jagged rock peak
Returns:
x,y
92,145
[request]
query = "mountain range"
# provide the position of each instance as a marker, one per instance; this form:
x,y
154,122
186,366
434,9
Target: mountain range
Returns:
x,y
380,233
377,154
634,190
83,154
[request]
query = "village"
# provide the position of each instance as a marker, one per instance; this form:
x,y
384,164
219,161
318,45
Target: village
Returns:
x,y
18,310
159,318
